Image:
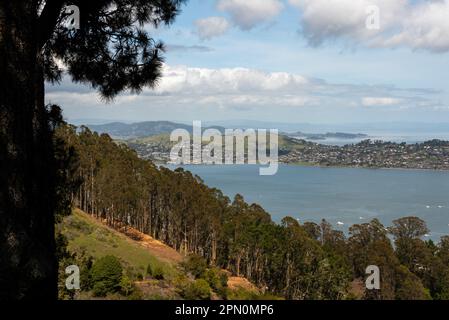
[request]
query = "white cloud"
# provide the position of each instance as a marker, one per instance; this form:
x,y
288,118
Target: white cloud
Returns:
x,y
211,27
247,14
402,23
380,101
227,81
425,27
197,90
244,87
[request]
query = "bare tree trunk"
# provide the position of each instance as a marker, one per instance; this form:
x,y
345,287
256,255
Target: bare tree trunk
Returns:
x,y
239,258
214,249
28,267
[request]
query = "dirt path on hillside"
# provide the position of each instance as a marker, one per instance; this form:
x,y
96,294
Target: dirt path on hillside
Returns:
x,y
235,283
168,254
157,248
165,253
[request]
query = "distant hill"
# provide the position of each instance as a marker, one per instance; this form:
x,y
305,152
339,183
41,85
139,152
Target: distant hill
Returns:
x,y
324,136
370,128
138,130
157,147
119,130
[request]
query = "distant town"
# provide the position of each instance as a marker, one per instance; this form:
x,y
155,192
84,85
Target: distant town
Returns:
x,y
373,154
151,141
367,154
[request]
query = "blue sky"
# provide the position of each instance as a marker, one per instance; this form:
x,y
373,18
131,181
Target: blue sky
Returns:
x,y
291,61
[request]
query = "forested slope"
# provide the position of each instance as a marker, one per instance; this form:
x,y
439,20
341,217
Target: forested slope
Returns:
x,y
297,261
150,269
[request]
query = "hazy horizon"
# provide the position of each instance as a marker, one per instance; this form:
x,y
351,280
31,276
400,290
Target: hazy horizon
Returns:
x,y
354,127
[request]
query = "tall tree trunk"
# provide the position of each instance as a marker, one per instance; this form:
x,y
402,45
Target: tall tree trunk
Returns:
x,y
214,249
28,267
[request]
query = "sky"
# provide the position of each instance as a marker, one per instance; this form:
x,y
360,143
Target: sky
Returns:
x,y
295,61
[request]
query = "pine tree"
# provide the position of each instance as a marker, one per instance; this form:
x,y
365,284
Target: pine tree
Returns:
x,y
112,52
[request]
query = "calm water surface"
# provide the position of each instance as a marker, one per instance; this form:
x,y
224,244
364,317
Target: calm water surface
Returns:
x,y
343,196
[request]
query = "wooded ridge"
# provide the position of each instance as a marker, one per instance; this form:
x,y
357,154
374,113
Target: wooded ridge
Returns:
x,y
297,261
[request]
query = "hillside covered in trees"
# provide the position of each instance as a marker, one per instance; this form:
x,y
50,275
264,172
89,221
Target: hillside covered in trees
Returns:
x,y
124,264
292,259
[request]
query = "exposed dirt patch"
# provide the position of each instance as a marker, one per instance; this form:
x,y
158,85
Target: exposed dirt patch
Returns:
x,y
357,288
167,254
156,247
235,283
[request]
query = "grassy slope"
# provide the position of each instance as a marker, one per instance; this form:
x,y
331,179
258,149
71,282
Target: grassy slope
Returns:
x,y
163,141
87,234
290,144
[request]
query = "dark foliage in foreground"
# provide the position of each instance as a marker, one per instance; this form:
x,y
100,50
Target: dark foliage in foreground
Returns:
x,y
111,51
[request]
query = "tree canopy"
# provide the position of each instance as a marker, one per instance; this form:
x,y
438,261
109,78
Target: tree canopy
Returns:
x,y
111,51
297,261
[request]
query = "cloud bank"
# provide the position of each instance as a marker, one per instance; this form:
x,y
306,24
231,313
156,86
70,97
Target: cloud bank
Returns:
x,y
422,25
211,27
418,25
247,14
250,89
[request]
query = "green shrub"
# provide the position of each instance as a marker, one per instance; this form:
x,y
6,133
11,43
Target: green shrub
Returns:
x,y
106,275
197,290
222,290
224,279
133,272
155,272
195,265
136,294
149,270
85,263
126,286
244,294
79,225
158,273
216,278
218,281
100,289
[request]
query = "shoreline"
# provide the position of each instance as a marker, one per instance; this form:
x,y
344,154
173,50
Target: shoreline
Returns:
x,y
300,164
310,165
